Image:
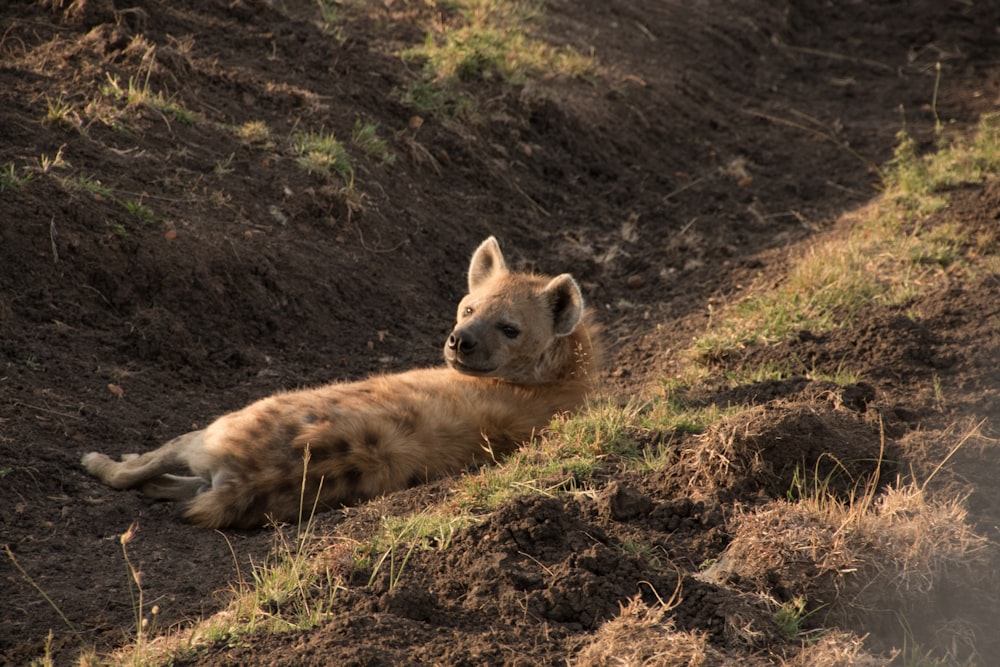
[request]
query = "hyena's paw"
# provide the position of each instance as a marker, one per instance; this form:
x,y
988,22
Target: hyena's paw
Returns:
x,y
96,463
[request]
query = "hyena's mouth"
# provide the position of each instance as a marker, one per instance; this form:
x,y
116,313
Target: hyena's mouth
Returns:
x,y
467,369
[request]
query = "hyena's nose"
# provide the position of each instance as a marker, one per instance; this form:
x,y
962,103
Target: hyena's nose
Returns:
x,y
461,341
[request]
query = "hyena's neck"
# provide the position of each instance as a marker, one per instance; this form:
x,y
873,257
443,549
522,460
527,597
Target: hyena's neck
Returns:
x,y
574,358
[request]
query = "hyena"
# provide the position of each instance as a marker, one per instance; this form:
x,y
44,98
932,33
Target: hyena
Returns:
x,y
522,350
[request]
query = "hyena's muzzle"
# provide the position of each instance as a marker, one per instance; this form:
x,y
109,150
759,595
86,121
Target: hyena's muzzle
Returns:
x,y
466,351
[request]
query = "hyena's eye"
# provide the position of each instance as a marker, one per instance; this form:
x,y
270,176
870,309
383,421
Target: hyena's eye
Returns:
x,y
509,331
467,311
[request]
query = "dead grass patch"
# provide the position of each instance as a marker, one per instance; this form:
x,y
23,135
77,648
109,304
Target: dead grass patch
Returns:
x,y
646,635
778,446
885,564
836,649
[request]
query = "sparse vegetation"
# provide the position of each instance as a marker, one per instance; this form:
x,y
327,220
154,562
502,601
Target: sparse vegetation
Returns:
x,y
391,548
137,92
90,184
489,39
12,177
322,153
139,210
102,192
255,132
61,114
483,40
790,616
884,258
365,136
785,552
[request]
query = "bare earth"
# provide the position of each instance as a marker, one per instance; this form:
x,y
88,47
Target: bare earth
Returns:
x,y
718,138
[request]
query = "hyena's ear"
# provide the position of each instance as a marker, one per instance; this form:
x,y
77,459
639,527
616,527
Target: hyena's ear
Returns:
x,y
486,262
566,301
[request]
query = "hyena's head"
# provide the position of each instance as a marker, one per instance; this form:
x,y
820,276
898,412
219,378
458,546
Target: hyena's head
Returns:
x,y
510,325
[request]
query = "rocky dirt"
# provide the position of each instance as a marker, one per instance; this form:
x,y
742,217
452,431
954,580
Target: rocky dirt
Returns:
x,y
159,270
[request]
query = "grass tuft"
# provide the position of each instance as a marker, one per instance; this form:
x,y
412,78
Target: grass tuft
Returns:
x,y
13,178
255,132
485,40
365,136
322,153
491,40
137,92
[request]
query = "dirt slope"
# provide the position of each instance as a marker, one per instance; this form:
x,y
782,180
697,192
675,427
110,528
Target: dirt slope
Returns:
x,y
161,268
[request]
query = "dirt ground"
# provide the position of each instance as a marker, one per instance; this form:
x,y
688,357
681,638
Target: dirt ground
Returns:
x,y
717,138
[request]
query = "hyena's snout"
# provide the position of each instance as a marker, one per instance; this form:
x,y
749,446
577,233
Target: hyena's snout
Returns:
x,y
462,342
467,351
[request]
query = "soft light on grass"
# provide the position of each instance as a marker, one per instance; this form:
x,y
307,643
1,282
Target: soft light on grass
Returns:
x,y
254,132
646,635
136,92
888,256
322,153
390,549
561,460
60,113
486,40
914,180
670,410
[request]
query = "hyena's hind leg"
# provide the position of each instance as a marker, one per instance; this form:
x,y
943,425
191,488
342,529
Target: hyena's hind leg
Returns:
x,y
163,473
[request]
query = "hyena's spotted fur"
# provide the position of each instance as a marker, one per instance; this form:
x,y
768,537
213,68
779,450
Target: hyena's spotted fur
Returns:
x,y
521,351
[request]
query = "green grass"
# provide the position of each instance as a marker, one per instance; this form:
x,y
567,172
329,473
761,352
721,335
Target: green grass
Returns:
x,y
579,451
85,183
93,186
485,40
887,257
137,92
492,39
789,617
139,210
13,178
331,17
322,153
390,549
366,137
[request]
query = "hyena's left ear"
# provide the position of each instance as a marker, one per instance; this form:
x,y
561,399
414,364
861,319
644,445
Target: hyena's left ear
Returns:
x,y
563,295
486,262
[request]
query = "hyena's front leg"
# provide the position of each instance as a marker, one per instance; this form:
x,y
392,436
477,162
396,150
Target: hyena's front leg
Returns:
x,y
159,473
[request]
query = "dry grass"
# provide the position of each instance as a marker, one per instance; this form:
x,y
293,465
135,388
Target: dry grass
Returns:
x,y
774,447
643,635
836,649
871,562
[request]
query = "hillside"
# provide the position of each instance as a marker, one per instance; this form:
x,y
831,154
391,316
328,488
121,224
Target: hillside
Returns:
x,y
202,203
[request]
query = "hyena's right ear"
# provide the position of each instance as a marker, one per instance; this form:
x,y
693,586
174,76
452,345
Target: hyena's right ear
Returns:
x,y
566,301
486,263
